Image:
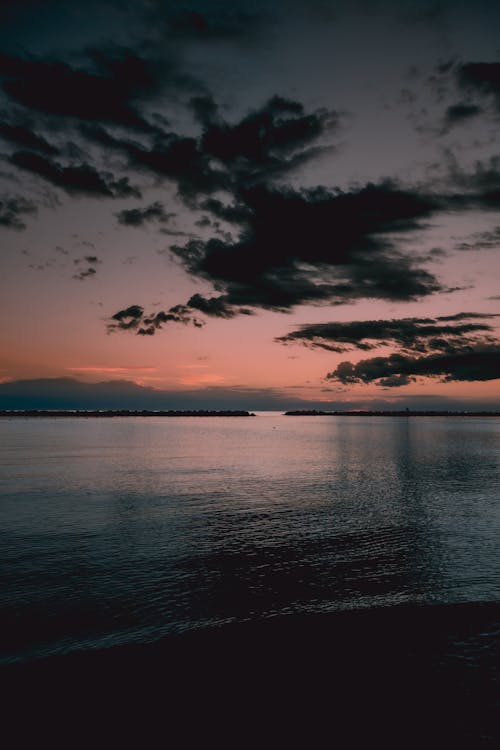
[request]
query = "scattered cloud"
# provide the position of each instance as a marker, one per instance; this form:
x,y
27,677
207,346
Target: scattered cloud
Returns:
x,y
134,319
137,217
13,210
487,240
90,271
85,274
457,114
472,187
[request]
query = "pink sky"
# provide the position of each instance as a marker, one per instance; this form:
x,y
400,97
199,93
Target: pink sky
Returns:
x,y
383,98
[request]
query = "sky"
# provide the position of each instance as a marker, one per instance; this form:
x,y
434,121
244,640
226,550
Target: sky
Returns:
x,y
277,205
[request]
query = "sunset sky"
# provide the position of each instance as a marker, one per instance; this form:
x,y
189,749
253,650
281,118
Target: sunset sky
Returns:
x,y
266,205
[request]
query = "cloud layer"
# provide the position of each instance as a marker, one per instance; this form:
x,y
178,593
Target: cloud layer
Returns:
x,y
408,334
459,347
316,246
129,111
478,362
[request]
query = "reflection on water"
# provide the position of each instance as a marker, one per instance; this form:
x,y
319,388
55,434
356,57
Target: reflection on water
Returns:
x,y
126,529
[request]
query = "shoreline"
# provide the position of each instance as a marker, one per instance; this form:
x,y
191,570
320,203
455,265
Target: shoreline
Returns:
x,y
108,413
393,625
401,413
408,675
124,413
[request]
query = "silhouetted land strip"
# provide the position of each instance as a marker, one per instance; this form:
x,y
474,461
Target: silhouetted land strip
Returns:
x,y
408,676
404,413
123,413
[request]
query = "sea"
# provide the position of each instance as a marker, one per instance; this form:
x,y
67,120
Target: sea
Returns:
x,y
125,530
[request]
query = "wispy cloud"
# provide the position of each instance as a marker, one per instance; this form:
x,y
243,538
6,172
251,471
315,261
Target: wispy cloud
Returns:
x,y
108,369
208,378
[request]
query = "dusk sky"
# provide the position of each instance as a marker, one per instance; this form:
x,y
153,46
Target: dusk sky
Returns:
x,y
266,205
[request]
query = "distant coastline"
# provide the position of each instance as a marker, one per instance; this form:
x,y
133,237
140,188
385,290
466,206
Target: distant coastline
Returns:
x,y
124,413
86,413
404,413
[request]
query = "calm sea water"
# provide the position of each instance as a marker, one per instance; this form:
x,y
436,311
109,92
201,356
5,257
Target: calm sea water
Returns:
x,y
124,530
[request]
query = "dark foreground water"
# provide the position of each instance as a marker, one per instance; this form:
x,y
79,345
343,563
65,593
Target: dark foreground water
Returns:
x,y
269,582
123,530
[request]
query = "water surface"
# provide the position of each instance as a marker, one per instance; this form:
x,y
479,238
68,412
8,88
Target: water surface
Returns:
x,y
125,529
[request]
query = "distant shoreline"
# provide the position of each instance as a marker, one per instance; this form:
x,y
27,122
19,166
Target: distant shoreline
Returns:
x,y
123,413
404,413
86,413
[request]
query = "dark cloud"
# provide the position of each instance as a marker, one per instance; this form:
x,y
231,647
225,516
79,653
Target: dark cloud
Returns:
x,y
488,240
233,213
287,247
81,178
216,307
130,317
137,217
90,271
484,177
203,222
170,156
25,136
104,91
134,319
466,362
395,381
205,110
266,144
173,233
456,114
13,210
468,316
408,334
481,77
315,246
478,187
85,274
